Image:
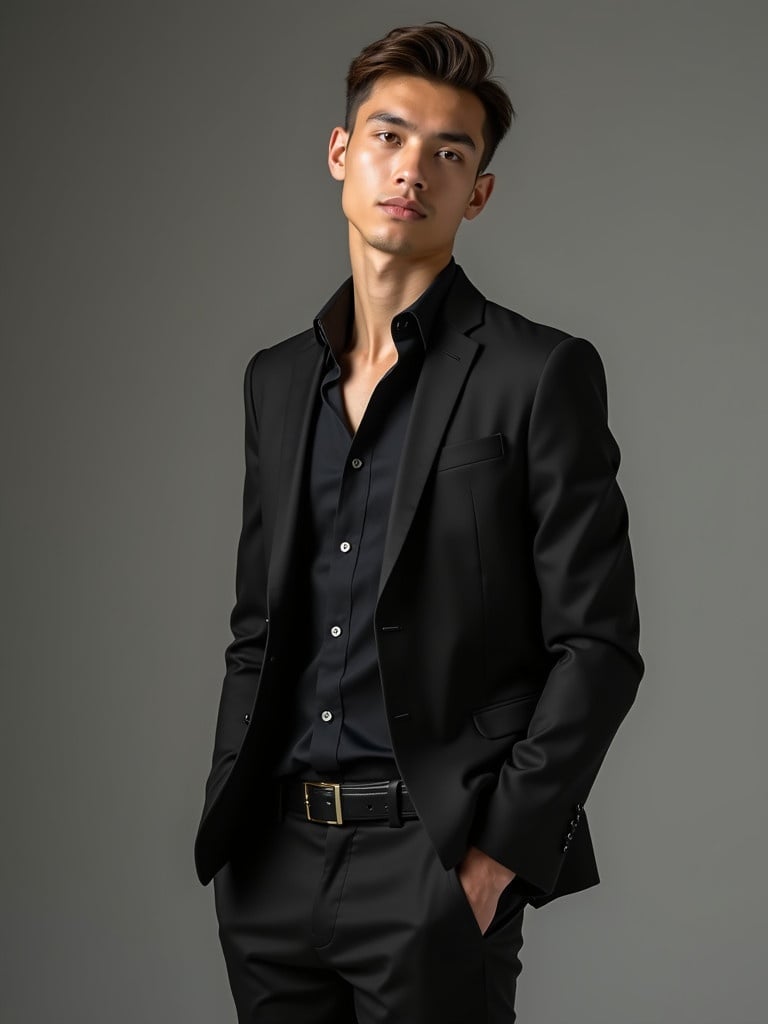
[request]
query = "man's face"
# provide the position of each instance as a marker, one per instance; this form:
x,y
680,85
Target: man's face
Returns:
x,y
415,141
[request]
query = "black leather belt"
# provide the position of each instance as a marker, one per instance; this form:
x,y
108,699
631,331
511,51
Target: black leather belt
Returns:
x,y
335,803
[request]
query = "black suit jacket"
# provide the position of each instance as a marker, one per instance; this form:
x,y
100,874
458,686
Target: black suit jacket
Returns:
x,y
506,621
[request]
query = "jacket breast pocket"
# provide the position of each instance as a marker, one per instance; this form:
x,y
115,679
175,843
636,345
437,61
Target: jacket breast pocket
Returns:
x,y
464,453
505,718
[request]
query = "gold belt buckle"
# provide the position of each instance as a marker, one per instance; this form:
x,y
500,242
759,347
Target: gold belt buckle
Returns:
x,y
336,787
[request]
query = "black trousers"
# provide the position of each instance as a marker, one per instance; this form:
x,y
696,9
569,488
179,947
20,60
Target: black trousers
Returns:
x,y
361,924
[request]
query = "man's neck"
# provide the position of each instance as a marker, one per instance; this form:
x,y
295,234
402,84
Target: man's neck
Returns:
x,y
383,285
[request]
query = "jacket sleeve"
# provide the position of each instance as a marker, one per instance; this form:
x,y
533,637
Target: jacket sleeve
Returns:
x,y
245,654
589,619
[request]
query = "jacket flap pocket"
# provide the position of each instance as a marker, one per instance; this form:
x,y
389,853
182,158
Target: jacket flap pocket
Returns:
x,y
505,718
475,450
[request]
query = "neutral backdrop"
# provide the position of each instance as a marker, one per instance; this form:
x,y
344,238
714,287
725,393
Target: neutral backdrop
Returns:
x,y
167,210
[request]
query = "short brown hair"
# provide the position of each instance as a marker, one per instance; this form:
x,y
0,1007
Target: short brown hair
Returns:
x,y
442,54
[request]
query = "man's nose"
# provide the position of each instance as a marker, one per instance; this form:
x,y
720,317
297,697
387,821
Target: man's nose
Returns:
x,y
410,169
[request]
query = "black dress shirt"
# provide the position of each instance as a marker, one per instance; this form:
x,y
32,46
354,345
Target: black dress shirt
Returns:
x,y
338,726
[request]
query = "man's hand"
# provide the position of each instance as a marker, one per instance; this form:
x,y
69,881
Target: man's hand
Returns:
x,y
483,880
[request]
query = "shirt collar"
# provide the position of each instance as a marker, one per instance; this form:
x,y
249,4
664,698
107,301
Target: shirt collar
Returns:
x,y
334,321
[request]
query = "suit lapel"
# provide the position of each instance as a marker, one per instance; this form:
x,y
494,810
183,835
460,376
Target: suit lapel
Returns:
x,y
305,375
450,354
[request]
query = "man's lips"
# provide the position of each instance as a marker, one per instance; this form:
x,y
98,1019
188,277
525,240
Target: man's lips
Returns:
x,y
403,209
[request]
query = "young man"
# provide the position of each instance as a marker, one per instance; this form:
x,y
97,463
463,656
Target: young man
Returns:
x,y
435,628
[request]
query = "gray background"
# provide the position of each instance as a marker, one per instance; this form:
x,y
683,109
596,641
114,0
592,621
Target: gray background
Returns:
x,y
167,210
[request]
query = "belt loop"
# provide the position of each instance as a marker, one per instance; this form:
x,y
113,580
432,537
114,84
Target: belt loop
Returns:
x,y
393,804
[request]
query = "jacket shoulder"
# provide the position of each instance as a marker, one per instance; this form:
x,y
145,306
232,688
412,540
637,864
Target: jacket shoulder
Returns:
x,y
513,343
282,352
512,332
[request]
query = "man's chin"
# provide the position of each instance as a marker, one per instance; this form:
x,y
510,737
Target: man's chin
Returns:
x,y
405,243
390,244
395,245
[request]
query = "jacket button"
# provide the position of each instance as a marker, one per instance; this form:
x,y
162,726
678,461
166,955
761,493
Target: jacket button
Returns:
x,y
246,718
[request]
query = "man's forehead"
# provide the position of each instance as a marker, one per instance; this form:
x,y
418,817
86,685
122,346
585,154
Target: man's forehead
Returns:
x,y
424,105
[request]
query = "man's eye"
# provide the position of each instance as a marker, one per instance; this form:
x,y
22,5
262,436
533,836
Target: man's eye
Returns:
x,y
386,136
449,154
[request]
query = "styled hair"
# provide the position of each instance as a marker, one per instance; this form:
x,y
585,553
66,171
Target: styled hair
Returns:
x,y
440,53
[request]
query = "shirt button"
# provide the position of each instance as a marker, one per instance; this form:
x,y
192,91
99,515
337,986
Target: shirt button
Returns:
x,y
345,546
335,630
327,716
357,463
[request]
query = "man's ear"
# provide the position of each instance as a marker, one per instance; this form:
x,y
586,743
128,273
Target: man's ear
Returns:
x,y
337,152
481,193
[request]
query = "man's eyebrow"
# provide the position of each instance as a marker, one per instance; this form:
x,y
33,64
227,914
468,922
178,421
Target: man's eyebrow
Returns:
x,y
458,138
